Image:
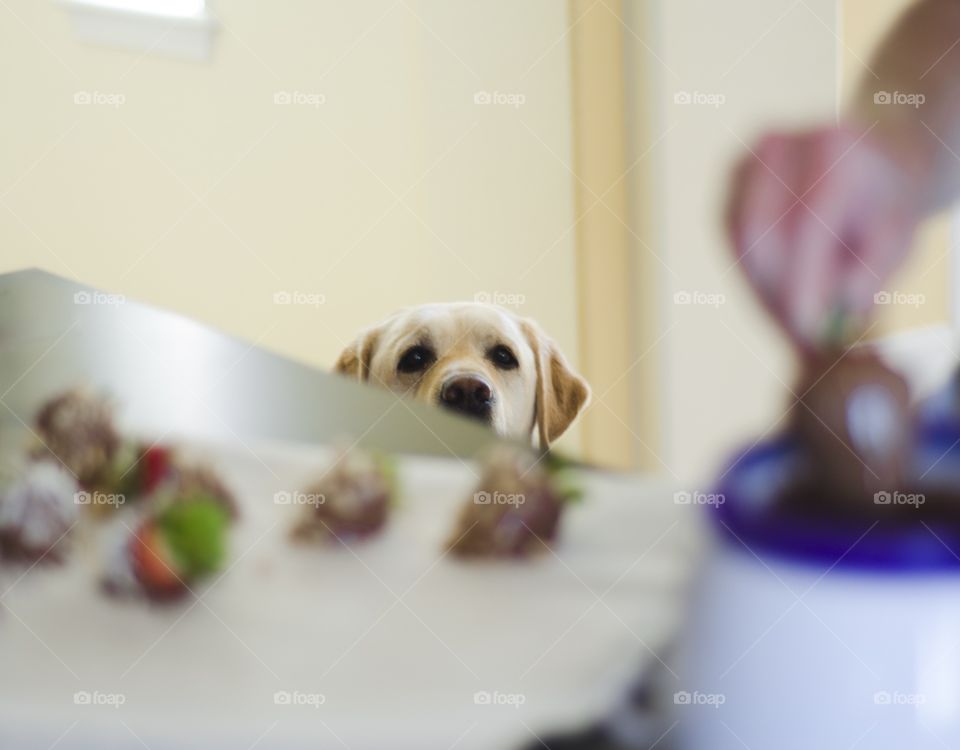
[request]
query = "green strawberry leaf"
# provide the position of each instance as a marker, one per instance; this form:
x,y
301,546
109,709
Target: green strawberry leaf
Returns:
x,y
387,466
123,474
568,486
563,476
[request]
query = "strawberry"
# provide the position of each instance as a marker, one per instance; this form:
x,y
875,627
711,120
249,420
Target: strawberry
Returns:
x,y
156,467
183,542
153,562
517,507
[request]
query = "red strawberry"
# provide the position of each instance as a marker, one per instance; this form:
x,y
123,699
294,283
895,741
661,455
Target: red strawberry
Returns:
x,y
156,467
153,562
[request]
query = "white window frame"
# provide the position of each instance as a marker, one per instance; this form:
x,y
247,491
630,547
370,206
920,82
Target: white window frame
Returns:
x,y
186,32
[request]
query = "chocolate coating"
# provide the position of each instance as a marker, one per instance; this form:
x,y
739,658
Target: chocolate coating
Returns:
x,y
854,421
77,428
351,500
515,510
190,480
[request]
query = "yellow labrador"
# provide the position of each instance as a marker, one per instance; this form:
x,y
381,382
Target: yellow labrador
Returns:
x,y
478,360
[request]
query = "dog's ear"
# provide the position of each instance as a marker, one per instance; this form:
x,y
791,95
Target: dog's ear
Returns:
x,y
561,393
354,361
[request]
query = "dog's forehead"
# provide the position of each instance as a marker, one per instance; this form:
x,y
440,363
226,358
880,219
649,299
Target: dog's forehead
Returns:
x,y
447,324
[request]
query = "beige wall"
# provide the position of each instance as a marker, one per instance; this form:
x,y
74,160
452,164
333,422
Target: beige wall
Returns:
x,y
722,370
201,194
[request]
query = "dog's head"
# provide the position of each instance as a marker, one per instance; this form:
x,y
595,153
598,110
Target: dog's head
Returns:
x,y
477,360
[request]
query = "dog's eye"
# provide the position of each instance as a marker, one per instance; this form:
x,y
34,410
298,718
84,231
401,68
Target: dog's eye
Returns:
x,y
503,358
416,358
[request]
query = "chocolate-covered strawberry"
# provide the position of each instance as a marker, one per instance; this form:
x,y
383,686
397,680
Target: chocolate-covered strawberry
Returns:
x,y
516,508
156,463
184,542
37,511
140,470
855,425
77,428
350,500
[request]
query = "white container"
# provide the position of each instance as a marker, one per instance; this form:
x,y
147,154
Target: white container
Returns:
x,y
801,640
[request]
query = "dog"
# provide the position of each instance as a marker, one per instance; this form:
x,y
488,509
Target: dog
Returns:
x,y
477,360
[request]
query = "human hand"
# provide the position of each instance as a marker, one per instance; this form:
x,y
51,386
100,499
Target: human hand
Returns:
x,y
819,220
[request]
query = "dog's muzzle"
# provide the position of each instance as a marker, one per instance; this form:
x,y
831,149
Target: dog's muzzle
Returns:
x,y
468,395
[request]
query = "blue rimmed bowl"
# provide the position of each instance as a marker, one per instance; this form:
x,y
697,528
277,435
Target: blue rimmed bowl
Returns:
x,y
809,632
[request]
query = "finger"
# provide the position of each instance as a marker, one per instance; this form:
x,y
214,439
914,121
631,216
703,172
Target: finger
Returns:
x,y
822,242
763,234
812,295
881,247
882,227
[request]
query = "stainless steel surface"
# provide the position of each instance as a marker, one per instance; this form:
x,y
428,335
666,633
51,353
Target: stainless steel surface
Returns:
x,y
172,376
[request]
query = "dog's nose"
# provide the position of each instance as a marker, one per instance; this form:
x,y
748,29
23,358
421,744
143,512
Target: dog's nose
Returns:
x,y
467,395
